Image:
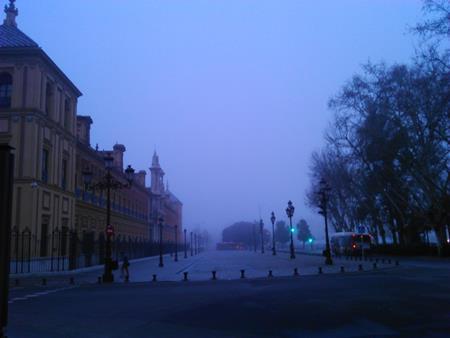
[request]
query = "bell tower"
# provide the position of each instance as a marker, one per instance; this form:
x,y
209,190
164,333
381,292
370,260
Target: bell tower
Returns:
x,y
157,176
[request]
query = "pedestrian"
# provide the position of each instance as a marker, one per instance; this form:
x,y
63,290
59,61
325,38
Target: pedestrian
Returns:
x,y
124,270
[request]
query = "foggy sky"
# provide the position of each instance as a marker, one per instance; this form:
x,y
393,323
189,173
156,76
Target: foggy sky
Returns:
x,y
231,93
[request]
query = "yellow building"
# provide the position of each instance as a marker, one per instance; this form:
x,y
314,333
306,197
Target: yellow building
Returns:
x,y
38,104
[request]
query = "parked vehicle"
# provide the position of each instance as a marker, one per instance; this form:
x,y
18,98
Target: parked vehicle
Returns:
x,y
351,244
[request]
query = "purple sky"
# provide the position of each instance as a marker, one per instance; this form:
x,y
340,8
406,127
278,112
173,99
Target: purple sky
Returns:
x,y
232,93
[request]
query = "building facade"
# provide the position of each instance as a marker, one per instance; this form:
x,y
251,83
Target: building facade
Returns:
x,y
164,205
38,105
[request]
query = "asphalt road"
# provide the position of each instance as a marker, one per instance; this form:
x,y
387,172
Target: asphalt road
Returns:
x,y
406,301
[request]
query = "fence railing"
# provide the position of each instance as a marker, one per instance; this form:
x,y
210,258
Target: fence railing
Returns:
x,y
64,250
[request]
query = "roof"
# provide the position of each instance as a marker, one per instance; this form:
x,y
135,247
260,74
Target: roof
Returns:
x,y
13,37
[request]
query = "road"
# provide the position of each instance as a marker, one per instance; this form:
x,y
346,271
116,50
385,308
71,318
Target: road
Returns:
x,y
411,300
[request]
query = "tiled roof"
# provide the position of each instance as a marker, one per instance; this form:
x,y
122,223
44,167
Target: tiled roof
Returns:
x,y
12,37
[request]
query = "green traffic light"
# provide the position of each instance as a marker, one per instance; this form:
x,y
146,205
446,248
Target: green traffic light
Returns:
x,y
310,240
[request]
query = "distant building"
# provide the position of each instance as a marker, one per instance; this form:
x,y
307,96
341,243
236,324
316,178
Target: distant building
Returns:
x,y
129,206
163,204
38,105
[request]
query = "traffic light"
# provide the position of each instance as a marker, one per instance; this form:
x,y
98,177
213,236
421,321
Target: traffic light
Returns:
x,y
310,240
292,230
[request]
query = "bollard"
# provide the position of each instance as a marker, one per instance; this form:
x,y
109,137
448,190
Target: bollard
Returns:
x,y
320,269
17,282
99,280
71,281
44,281
214,275
242,273
185,278
360,267
342,269
127,279
374,266
296,272
153,278
270,274
397,263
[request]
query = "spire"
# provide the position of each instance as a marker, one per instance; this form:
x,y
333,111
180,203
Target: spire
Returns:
x,y
155,160
11,13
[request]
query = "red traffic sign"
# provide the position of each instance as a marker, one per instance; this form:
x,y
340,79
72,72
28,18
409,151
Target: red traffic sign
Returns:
x,y
109,230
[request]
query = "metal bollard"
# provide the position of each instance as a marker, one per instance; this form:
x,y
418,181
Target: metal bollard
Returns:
x,y
99,280
153,278
185,278
342,269
214,275
242,273
296,272
397,263
320,270
71,280
127,279
270,274
44,281
374,266
360,267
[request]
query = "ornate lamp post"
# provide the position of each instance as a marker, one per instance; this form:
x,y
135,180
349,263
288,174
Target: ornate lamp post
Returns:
x,y
185,243
290,213
160,223
108,183
176,243
192,244
273,219
324,195
261,230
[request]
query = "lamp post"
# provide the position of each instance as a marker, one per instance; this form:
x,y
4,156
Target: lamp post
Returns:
x,y
192,244
6,197
108,183
185,243
324,196
176,243
273,219
290,213
254,237
195,244
261,230
160,223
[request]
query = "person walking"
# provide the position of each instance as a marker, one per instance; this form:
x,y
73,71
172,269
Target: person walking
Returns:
x,y
124,270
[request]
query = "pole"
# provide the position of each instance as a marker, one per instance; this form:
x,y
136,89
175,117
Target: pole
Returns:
x,y
161,263
6,190
108,277
328,260
192,247
176,243
261,225
292,239
185,243
274,252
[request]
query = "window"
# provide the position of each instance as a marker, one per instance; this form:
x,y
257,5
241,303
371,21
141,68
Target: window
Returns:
x,y
5,90
49,98
64,174
45,165
67,115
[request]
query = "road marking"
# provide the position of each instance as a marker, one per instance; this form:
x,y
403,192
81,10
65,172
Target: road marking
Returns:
x,y
39,294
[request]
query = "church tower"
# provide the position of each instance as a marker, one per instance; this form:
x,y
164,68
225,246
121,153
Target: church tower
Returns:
x,y
157,176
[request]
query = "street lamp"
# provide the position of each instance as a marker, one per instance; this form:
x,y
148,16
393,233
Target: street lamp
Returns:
x,y
161,221
176,243
185,243
273,219
108,183
192,247
195,244
324,195
290,213
261,230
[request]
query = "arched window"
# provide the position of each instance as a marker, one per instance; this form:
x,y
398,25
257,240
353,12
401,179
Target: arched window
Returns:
x,y
5,90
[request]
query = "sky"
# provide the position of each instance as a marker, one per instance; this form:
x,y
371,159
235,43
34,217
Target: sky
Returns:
x,y
231,93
